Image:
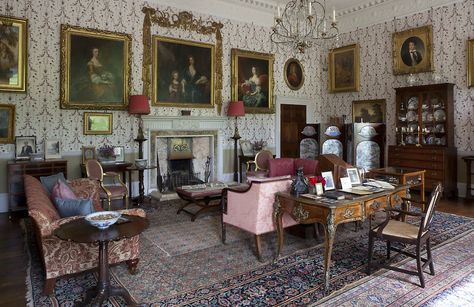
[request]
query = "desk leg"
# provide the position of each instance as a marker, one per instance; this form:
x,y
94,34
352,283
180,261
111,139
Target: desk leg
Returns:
x,y
278,217
330,233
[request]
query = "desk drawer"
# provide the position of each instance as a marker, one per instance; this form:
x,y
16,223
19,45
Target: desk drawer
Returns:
x,y
374,204
396,199
416,156
415,164
349,213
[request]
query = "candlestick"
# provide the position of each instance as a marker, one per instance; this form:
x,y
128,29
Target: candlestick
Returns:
x,y
279,12
333,15
310,8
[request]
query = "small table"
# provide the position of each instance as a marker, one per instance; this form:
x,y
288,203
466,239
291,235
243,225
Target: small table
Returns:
x,y
469,173
117,167
404,176
141,186
81,231
308,211
206,198
244,160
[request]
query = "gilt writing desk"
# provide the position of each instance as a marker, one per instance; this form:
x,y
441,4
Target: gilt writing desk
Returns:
x,y
308,211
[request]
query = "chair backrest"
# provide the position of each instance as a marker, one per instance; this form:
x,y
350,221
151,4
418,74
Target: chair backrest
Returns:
x,y
94,170
261,160
310,167
281,167
435,197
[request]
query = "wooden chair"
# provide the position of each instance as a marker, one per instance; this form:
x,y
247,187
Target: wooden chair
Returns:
x,y
394,230
115,190
261,164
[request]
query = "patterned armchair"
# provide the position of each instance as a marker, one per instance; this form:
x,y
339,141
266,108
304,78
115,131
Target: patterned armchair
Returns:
x,y
252,209
64,257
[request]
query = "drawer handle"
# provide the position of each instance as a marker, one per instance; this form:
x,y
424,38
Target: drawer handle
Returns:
x,y
348,213
375,205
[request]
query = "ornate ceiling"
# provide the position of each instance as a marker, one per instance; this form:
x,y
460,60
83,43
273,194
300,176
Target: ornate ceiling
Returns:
x,y
351,13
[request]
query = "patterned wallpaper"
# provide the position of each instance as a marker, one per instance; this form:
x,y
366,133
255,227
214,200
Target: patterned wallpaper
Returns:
x,y
38,111
453,25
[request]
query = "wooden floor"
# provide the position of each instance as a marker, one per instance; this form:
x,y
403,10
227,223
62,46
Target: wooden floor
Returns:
x,y
13,257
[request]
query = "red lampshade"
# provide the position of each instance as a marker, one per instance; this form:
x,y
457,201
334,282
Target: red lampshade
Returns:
x,y
236,108
138,104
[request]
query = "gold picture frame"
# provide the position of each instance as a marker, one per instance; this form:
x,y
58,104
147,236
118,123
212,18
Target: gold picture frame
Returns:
x,y
106,84
344,69
173,84
14,51
252,80
369,111
88,153
97,123
7,124
294,74
470,63
413,51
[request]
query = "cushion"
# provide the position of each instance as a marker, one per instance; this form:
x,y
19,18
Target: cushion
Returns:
x,y
62,190
281,167
73,207
49,181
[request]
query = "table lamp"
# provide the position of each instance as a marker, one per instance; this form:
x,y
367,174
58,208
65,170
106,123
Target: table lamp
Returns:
x,y
236,109
138,105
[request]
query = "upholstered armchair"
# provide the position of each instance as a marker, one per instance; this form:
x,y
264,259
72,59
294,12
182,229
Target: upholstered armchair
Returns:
x,y
62,257
288,166
115,189
395,230
252,209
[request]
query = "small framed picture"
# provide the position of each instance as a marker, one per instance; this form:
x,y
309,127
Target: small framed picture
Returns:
x,y
319,188
97,123
52,149
353,174
119,152
346,183
25,146
329,181
246,148
88,153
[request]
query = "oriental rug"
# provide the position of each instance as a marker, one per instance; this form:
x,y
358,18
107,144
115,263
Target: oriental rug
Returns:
x,y
184,263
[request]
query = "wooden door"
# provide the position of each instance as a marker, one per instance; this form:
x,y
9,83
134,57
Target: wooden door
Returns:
x,y
292,122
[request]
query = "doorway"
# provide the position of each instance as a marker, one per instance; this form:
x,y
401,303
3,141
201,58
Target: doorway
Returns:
x,y
292,122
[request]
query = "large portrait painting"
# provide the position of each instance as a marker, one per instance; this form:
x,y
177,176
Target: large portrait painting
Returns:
x,y
294,74
13,54
95,69
470,63
368,111
344,69
183,73
7,123
412,51
252,80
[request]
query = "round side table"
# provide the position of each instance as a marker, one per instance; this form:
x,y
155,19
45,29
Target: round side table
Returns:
x,y
81,231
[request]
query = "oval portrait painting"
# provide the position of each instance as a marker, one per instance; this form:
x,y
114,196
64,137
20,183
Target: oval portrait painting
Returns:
x,y
413,51
294,74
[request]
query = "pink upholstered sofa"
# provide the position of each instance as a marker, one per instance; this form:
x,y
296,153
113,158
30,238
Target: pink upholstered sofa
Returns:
x,y
252,209
288,166
64,257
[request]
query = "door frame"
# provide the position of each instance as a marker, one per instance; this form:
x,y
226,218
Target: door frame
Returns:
x,y
310,115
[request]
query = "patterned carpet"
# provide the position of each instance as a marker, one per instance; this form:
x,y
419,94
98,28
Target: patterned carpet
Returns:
x,y
184,263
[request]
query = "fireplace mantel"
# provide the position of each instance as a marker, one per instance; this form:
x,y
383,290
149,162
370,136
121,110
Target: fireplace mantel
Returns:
x,y
180,123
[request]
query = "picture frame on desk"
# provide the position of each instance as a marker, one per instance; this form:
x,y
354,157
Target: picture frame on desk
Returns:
x,y
329,181
246,148
353,174
52,149
119,152
25,146
88,153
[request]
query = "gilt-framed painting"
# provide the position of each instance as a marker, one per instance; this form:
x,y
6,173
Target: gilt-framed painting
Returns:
x,y
13,53
7,123
95,69
252,80
413,51
183,73
97,123
368,111
294,74
344,69
470,63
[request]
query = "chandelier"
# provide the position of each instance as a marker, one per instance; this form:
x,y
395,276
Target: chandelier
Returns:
x,y
303,24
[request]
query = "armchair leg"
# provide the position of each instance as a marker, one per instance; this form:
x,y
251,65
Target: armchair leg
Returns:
x,y
418,265
258,246
132,266
125,199
371,246
49,285
430,259
109,201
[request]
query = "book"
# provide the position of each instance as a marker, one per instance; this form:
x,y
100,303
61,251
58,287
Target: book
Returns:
x,y
334,195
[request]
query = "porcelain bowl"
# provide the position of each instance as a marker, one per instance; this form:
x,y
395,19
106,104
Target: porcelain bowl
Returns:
x,y
103,219
141,163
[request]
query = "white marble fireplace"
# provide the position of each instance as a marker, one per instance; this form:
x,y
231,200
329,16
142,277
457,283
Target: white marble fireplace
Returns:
x,y
206,138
